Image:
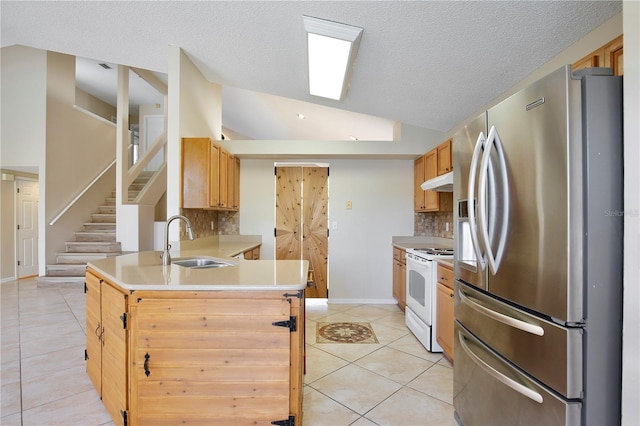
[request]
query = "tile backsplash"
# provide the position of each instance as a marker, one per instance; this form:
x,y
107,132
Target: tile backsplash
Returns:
x,y
433,224
224,223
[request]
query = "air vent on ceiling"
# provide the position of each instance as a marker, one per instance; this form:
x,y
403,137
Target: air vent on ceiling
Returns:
x,y
105,66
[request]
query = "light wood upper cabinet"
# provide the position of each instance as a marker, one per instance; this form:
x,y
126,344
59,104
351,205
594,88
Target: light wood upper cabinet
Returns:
x,y
223,173
209,176
608,56
445,158
418,178
233,182
427,167
612,53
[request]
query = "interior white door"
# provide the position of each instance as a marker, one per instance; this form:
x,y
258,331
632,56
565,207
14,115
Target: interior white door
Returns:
x,y
27,227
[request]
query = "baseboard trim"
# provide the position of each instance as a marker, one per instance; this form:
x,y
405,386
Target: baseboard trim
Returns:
x,y
363,301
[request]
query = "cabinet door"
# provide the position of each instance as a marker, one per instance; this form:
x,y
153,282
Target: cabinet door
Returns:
x,y
94,332
445,164
196,173
233,182
445,319
214,175
431,171
236,184
588,61
114,352
210,361
402,278
223,175
418,179
612,55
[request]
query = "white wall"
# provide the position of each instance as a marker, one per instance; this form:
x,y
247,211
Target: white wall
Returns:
x,y
195,110
413,142
23,121
631,311
78,148
360,250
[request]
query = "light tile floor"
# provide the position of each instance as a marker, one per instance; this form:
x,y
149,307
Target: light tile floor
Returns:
x,y
395,382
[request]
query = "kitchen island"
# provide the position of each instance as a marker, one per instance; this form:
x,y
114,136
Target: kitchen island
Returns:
x,y
187,345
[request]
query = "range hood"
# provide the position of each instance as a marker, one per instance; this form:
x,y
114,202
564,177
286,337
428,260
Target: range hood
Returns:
x,y
442,183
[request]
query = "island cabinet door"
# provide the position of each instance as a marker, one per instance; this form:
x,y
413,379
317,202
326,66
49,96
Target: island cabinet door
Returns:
x,y
210,361
93,317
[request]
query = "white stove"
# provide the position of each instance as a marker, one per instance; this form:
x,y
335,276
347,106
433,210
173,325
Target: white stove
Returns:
x,y
420,312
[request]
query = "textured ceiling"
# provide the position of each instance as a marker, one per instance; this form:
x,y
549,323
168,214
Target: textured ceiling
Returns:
x,y
425,63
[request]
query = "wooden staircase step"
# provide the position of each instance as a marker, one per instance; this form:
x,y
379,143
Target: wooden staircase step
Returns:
x,y
81,258
106,235
92,247
96,226
107,209
103,217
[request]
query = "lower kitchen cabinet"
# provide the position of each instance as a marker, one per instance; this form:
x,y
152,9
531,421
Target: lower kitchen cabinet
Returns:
x,y
106,353
444,310
253,254
205,357
399,276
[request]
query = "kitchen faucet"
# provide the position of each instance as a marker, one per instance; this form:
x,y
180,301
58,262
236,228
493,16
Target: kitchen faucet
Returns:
x,y
166,257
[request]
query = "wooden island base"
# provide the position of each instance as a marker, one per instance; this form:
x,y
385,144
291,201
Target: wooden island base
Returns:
x,y
195,357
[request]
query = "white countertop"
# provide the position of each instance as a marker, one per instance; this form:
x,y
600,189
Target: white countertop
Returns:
x,y
409,242
144,270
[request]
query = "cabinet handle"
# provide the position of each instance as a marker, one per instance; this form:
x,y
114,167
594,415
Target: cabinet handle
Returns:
x,y
451,295
98,333
146,365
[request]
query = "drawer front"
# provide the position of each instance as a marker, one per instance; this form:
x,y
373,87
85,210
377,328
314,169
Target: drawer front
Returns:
x,y
487,390
546,351
445,276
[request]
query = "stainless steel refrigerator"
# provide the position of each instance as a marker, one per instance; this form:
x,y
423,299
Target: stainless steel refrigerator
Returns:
x,y
538,292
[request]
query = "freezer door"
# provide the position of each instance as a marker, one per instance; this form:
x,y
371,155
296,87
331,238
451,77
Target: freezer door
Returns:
x,y
550,353
467,265
487,390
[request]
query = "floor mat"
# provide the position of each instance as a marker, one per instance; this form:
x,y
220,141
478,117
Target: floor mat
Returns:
x,y
345,332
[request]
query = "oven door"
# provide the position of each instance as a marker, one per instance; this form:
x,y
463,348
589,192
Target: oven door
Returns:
x,y
419,287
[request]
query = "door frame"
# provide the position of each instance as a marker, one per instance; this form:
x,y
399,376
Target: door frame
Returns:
x,y
305,164
17,246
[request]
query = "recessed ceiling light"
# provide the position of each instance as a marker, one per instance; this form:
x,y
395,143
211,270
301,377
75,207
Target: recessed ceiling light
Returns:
x,y
331,52
301,116
353,138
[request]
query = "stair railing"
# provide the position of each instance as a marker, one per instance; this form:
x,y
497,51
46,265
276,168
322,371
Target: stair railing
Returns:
x,y
81,193
155,185
159,143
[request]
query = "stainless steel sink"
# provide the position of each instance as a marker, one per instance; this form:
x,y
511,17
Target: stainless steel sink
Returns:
x,y
200,262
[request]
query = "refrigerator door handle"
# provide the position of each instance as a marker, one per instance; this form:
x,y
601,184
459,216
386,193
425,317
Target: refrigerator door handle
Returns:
x,y
505,319
471,190
493,140
529,393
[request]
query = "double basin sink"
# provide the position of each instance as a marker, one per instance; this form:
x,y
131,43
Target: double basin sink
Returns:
x,y
200,262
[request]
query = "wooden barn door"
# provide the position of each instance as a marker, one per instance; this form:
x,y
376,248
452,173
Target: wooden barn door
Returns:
x,y
302,198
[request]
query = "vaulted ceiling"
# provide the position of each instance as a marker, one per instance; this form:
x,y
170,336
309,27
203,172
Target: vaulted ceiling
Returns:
x,y
425,63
